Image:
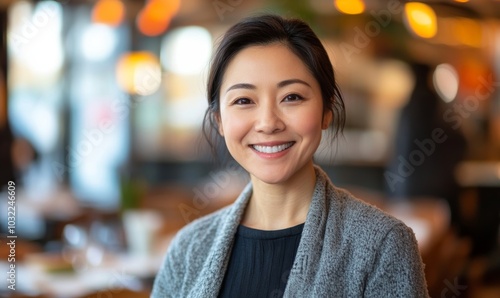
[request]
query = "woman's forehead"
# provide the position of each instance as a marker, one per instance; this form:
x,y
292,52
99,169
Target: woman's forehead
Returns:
x,y
264,63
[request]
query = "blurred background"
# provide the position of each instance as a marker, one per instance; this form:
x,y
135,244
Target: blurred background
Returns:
x,y
102,155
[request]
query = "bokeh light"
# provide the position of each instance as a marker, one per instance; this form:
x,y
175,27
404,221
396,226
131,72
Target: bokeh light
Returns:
x,y
350,6
187,50
445,79
420,19
468,32
98,42
394,83
139,73
156,15
109,12
35,38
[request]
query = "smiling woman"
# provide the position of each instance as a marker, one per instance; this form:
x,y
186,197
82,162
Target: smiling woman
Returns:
x,y
271,115
291,232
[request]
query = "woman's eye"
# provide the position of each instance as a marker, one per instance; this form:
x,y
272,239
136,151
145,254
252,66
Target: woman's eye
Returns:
x,y
242,101
293,97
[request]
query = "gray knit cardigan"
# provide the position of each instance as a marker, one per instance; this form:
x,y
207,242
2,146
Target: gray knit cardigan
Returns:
x,y
347,249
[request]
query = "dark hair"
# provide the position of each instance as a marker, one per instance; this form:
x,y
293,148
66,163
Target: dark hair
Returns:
x,y
268,29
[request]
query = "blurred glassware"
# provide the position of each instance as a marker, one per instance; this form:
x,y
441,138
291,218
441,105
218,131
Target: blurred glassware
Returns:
x,y
140,227
80,249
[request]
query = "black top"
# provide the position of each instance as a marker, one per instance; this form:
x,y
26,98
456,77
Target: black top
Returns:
x,y
260,262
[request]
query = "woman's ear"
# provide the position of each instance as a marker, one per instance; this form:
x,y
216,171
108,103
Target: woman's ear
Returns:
x,y
219,124
327,119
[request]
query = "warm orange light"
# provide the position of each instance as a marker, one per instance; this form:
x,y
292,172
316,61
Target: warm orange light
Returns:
x,y
462,1
155,17
139,73
109,12
150,26
471,71
350,6
468,32
420,19
459,31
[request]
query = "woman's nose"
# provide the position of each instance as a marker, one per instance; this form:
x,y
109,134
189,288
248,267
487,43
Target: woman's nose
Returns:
x,y
269,120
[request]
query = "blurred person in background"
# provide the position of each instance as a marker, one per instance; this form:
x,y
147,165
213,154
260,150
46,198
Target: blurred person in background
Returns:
x,y
291,232
6,164
427,147
16,153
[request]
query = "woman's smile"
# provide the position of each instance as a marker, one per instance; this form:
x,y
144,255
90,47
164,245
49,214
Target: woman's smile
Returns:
x,y
272,149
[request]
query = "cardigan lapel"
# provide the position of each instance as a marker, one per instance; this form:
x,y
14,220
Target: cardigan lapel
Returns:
x,y
210,279
311,242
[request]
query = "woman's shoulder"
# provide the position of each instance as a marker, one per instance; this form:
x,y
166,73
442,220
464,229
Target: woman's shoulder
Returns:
x,y
363,218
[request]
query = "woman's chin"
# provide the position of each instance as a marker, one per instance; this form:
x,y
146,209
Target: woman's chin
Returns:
x,y
270,178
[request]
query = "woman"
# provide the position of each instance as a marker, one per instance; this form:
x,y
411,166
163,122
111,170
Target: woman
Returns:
x,y
290,233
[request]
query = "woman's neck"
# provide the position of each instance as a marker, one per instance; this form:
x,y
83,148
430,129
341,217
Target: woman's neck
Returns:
x,y
280,206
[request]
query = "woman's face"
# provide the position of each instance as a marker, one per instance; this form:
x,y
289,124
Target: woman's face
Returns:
x,y
271,112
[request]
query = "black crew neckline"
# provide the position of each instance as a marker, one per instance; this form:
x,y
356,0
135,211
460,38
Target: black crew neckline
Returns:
x,y
246,232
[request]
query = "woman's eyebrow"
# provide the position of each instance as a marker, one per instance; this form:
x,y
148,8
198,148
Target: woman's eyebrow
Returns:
x,y
292,81
280,85
241,86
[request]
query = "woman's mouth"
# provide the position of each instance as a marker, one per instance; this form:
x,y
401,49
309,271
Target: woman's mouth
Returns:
x,y
272,149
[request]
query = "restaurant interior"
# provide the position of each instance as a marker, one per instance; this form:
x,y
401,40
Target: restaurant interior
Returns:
x,y
102,155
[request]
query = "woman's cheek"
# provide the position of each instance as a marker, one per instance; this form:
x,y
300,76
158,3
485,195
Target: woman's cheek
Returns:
x,y
235,126
309,122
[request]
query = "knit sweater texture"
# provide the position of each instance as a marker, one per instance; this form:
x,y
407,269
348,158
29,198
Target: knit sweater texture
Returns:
x,y
348,248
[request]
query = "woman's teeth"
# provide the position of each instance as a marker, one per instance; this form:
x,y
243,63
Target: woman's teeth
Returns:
x,y
272,149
